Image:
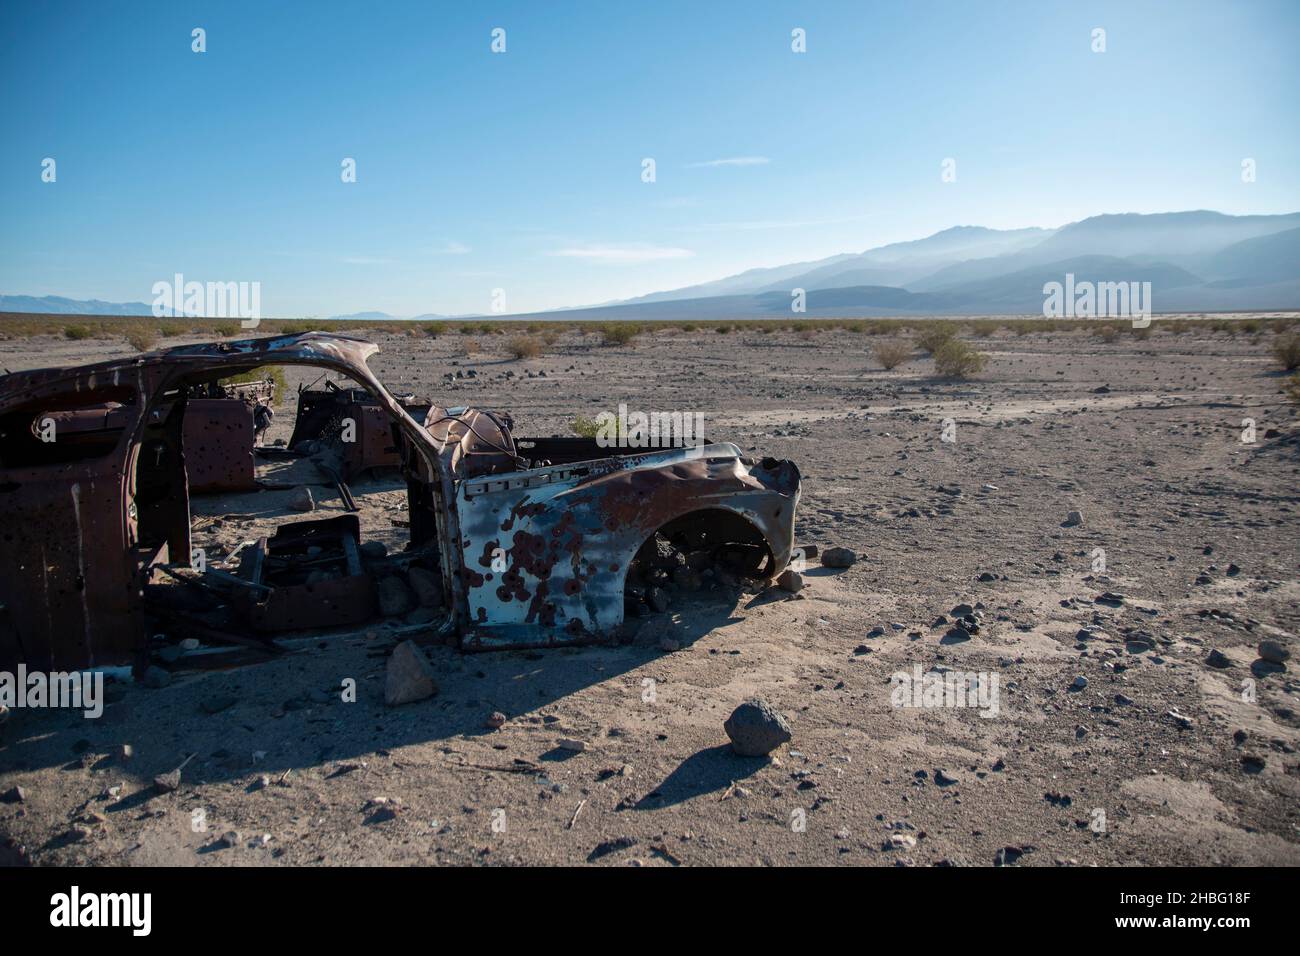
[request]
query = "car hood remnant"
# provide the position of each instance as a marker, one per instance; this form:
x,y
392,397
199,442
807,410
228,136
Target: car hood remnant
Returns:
x,y
533,539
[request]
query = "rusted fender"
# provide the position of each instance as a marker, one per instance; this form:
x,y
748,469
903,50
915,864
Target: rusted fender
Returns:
x,y
546,552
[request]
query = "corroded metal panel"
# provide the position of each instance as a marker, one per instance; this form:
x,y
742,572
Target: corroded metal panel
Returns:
x,y
218,444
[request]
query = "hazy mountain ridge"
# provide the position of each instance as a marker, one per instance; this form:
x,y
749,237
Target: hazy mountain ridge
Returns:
x,y
1195,261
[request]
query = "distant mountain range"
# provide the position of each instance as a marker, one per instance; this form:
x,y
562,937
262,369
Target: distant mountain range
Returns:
x,y
1197,261
58,305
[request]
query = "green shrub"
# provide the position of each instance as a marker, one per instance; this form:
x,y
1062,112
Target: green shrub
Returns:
x,y
934,335
1287,351
584,427
954,358
142,339
891,354
77,332
524,346
619,333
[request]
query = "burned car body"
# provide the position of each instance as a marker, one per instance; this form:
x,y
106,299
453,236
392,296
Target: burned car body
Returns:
x,y
532,538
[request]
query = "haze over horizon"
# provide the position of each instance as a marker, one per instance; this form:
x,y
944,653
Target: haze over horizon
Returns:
x,y
523,170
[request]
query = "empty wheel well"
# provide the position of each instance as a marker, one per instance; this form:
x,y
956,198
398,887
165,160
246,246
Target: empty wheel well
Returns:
x,y
730,540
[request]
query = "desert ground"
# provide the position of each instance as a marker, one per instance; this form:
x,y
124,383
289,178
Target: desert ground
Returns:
x,y
1157,757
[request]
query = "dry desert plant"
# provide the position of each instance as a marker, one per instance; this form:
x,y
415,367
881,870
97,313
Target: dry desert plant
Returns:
x,y
619,333
935,334
1286,349
955,359
142,339
891,354
524,346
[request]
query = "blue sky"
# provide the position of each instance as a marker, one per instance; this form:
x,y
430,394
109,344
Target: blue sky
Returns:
x,y
522,171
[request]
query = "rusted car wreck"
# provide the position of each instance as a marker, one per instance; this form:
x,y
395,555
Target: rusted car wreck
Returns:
x,y
528,542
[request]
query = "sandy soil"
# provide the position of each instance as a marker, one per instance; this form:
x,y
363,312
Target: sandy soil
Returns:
x,y
1142,437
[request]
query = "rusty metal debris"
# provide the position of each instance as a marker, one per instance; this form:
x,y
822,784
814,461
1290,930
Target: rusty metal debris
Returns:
x,y
515,542
307,575
352,426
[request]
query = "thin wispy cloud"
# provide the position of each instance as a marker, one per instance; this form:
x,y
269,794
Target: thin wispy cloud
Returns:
x,y
677,202
452,248
731,161
758,224
622,255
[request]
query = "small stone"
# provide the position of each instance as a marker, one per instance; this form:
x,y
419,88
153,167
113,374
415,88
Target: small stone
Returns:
x,y
791,581
167,782
657,598
1007,856
1274,652
1080,683
1073,519
231,839
838,558
1123,700
1253,763
373,550
756,729
394,596
155,678
300,499
496,720
571,744
668,645
1182,721
171,654
125,752
14,795
409,677
1217,658
426,585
